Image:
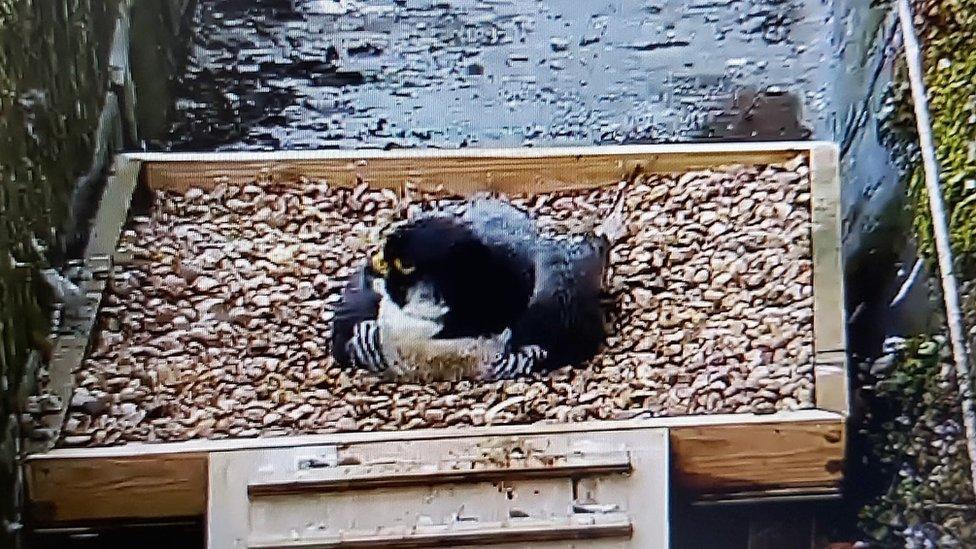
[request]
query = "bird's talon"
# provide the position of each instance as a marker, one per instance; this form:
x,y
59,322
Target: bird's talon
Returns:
x,y
519,363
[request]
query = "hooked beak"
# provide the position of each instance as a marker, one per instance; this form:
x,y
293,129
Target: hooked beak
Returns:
x,y
378,264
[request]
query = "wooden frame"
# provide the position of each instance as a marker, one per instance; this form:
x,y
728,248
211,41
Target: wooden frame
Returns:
x,y
830,335
781,454
787,454
432,478
537,534
464,170
71,344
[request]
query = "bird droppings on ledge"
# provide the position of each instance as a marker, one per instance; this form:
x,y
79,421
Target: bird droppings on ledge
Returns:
x,y
218,317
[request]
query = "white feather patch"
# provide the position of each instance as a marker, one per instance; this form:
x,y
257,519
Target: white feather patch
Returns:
x,y
407,336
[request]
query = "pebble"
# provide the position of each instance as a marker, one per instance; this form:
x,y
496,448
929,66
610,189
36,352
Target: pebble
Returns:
x,y
90,404
206,283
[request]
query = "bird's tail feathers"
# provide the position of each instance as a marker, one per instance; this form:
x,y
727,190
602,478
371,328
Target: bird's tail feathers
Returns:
x,y
614,228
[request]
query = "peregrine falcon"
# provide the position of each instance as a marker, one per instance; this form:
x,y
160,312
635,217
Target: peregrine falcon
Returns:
x,y
476,291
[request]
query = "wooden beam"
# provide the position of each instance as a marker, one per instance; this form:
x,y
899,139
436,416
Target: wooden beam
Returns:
x,y
113,208
759,457
463,171
365,481
64,491
71,344
355,437
799,452
500,535
829,321
726,148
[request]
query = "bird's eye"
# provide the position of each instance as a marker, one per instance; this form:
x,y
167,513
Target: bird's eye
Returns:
x,y
403,266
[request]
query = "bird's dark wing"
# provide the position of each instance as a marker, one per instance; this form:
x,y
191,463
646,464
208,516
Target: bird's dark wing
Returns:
x,y
359,303
491,278
502,226
564,317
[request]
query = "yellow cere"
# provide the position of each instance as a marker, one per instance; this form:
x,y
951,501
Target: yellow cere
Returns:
x,y
379,263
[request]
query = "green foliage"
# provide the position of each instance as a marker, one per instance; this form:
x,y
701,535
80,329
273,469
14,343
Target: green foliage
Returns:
x,y
920,441
53,78
923,447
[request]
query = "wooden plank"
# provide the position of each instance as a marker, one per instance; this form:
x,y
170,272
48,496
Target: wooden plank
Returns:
x,y
830,339
767,496
755,454
71,344
538,533
67,353
113,209
233,444
728,148
464,171
468,505
366,481
754,458
78,490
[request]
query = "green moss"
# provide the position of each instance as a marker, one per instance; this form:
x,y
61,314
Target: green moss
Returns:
x,y
950,74
53,80
914,428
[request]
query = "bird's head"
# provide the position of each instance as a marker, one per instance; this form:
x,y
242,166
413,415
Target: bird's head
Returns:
x,y
437,262
427,255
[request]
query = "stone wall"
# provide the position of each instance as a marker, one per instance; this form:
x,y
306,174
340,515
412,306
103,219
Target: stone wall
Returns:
x,y
53,85
877,148
68,103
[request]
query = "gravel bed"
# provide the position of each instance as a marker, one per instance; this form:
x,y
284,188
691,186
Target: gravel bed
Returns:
x,y
218,316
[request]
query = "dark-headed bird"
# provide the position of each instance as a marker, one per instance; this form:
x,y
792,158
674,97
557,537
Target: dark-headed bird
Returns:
x,y
476,292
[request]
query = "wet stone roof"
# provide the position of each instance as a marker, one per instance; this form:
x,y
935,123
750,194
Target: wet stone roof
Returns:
x,y
305,74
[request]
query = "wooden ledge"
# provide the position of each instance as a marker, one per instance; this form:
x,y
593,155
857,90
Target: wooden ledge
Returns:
x,y
461,170
789,452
